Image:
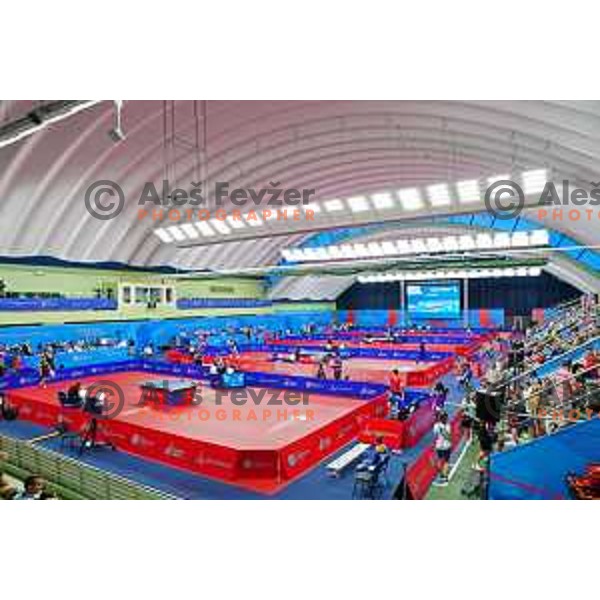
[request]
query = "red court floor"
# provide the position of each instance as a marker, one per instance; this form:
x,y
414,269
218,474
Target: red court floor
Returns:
x,y
452,348
258,446
356,369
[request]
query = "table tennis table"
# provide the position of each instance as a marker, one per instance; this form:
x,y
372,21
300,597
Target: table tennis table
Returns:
x,y
171,392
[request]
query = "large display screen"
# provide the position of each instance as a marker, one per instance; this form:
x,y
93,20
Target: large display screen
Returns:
x,y
433,300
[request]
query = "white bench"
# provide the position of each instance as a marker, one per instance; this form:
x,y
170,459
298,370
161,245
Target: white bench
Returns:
x,y
336,466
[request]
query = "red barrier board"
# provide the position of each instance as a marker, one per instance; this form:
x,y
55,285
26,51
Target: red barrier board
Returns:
x,y
427,377
400,434
178,357
392,432
308,451
419,424
423,471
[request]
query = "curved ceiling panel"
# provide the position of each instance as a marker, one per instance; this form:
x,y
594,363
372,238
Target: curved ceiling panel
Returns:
x,y
339,148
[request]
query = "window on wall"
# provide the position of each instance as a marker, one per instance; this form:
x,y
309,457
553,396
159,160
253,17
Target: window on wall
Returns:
x,y
147,296
155,294
141,295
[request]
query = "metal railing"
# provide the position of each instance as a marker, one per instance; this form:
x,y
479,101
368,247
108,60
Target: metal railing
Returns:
x,y
70,478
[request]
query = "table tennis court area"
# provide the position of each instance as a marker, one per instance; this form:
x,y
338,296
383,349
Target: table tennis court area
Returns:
x,y
279,300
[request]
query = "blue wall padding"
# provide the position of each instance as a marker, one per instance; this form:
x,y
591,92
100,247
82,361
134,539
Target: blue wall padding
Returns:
x,y
537,470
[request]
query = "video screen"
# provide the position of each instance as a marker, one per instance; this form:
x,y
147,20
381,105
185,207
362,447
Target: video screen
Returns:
x,y
433,300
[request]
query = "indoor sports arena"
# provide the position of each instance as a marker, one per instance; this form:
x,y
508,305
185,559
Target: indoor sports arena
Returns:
x,y
349,300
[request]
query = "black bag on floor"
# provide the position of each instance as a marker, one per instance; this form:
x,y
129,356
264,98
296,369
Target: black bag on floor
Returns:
x,y
10,413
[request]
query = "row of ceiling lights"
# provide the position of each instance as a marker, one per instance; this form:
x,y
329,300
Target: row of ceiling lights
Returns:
x,y
451,274
438,195
429,245
219,226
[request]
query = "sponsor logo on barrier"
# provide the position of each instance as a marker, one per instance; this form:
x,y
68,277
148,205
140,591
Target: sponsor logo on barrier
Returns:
x,y
254,464
344,431
295,458
139,441
324,443
207,460
174,451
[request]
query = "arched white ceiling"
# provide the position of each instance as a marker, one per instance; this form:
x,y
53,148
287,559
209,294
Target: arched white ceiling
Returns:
x,y
341,148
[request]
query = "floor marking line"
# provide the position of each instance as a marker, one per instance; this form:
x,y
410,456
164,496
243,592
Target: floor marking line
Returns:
x,y
459,459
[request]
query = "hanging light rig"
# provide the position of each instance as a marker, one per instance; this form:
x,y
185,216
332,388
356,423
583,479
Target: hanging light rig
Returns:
x,y
116,133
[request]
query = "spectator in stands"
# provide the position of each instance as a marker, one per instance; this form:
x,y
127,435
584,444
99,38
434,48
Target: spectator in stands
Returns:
x,y
443,445
34,489
7,490
577,378
533,399
514,415
587,305
562,380
591,364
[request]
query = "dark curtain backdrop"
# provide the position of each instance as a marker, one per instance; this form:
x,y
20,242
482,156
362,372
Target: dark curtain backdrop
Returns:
x,y
518,296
